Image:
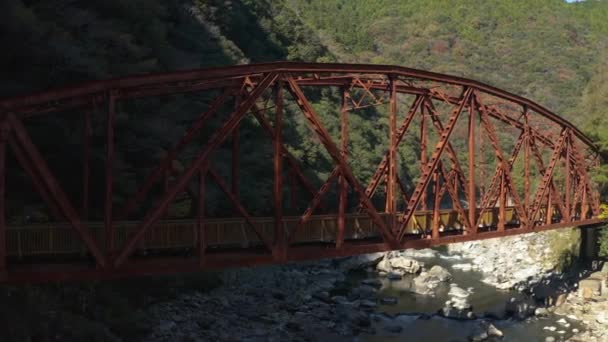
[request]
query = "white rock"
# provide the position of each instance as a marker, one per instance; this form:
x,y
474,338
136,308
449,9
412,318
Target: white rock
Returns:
x,y
457,292
420,253
550,328
463,267
406,264
384,266
440,273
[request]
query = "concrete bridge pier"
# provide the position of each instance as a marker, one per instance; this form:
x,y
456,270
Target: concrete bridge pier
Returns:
x,y
589,246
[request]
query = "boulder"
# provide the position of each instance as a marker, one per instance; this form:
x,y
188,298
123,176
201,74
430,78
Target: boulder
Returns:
x,y
362,292
541,312
393,328
389,300
405,264
394,276
589,288
375,282
520,308
440,273
463,267
485,330
427,282
458,306
398,265
384,266
361,261
604,268
459,298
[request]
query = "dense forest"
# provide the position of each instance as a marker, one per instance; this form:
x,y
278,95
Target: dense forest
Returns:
x,y
548,50
551,51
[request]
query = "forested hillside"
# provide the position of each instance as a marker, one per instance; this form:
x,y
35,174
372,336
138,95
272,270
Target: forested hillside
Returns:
x,y
548,50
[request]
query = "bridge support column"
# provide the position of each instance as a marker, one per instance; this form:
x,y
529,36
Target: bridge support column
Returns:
x,y
588,243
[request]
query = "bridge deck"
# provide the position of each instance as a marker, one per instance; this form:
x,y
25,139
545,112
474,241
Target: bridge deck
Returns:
x,y
53,251
59,239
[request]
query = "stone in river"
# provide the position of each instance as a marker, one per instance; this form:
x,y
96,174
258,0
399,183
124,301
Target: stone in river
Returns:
x,y
368,304
463,267
407,265
372,282
394,276
393,328
485,330
588,288
389,300
541,312
361,261
440,273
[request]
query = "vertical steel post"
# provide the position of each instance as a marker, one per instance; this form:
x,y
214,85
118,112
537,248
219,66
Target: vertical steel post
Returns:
x,y
109,229
584,204
568,194
471,190
280,243
549,218
202,241
482,169
235,152
423,156
293,191
86,142
436,203
503,203
342,184
526,161
595,195
392,160
3,140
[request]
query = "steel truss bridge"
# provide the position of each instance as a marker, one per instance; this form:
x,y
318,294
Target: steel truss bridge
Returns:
x,y
471,140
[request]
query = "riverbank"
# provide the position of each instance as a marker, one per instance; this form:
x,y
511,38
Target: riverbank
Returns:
x,y
501,288
472,291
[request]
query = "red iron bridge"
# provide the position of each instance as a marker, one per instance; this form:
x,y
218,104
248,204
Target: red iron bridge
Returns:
x,y
471,139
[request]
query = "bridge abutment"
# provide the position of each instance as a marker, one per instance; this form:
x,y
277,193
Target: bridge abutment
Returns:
x,y
589,249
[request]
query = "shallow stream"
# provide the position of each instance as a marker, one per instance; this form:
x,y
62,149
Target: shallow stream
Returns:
x,y
417,314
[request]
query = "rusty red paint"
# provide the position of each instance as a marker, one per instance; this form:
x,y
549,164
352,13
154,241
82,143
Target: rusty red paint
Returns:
x,y
572,152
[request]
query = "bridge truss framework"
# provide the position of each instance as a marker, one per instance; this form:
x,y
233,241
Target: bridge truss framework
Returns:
x,y
545,148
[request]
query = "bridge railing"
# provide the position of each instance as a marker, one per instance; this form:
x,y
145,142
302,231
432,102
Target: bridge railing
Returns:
x,y
59,239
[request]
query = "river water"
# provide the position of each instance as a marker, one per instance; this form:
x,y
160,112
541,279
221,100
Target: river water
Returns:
x,y
417,314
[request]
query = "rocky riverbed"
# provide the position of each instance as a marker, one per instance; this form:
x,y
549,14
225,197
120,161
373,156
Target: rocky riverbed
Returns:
x,y
504,289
